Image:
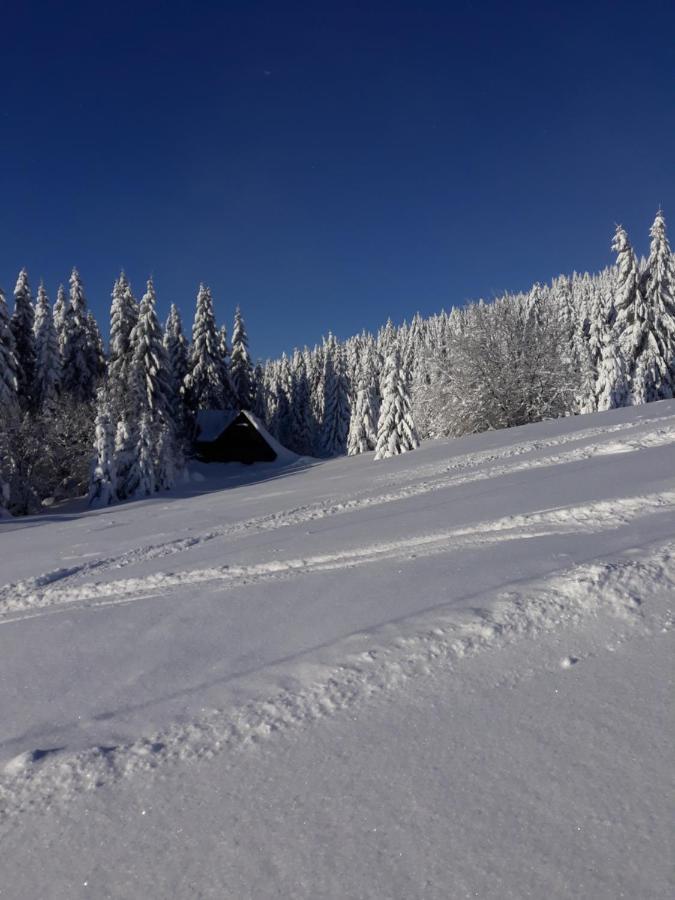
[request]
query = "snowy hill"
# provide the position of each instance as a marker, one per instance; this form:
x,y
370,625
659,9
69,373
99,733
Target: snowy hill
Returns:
x,y
446,674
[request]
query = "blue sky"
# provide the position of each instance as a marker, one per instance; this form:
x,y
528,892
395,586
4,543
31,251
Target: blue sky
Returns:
x,y
326,165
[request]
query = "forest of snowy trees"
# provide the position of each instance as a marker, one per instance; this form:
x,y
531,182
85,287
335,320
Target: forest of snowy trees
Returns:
x,y
120,422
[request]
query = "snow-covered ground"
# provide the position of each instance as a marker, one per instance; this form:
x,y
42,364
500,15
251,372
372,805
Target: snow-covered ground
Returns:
x,y
444,675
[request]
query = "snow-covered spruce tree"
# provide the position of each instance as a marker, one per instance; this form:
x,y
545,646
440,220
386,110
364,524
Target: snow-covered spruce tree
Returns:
x,y
300,440
48,357
9,404
103,483
176,349
176,345
61,306
363,422
654,377
151,393
145,458
259,393
123,318
149,375
336,413
126,463
81,360
9,386
22,325
205,381
620,331
240,363
396,432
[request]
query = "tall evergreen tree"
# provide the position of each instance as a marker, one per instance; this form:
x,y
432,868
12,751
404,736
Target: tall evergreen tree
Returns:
x,y
81,360
300,433
150,376
205,381
363,423
61,305
48,357
655,370
22,325
103,482
396,432
9,385
335,423
123,318
240,363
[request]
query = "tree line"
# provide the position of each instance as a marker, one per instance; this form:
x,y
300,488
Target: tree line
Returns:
x,y
120,421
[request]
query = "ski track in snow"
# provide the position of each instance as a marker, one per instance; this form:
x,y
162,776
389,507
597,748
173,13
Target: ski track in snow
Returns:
x,y
589,518
619,587
458,472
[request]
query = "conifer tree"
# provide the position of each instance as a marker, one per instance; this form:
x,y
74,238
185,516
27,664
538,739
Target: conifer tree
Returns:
x,y
149,375
145,461
61,305
396,432
81,361
363,422
260,394
103,483
125,456
655,371
240,363
176,350
48,358
123,318
9,399
335,423
22,325
300,412
176,346
205,381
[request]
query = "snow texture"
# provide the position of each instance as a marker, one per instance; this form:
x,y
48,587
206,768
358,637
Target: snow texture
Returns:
x,y
444,676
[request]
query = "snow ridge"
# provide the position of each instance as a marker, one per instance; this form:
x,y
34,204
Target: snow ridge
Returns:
x,y
28,589
619,587
590,518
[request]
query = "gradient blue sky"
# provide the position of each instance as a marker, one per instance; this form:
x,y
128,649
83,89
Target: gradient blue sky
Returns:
x,y
329,164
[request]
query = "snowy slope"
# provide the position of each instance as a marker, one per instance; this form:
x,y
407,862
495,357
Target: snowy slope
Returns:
x,y
441,675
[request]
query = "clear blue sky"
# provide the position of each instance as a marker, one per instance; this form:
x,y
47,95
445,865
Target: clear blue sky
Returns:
x,y
328,164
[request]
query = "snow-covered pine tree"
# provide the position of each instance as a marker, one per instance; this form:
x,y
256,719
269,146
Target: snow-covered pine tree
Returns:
x,y
22,325
103,483
176,349
259,393
123,318
240,363
176,346
9,398
336,412
81,359
48,357
363,422
396,432
300,435
151,393
61,305
126,463
654,377
205,381
145,459
149,376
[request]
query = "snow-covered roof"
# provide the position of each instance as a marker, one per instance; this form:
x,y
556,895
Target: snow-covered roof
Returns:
x,y
212,422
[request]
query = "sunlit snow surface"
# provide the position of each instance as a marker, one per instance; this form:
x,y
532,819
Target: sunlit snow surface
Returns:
x,y
444,675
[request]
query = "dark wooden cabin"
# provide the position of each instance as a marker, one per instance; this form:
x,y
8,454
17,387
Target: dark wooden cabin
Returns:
x,y
231,436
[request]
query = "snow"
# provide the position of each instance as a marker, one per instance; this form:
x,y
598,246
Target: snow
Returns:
x,y
445,675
